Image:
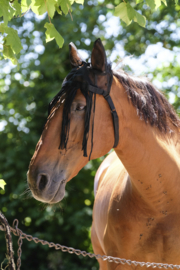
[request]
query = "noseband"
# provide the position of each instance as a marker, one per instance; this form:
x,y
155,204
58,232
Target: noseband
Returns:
x,y
79,78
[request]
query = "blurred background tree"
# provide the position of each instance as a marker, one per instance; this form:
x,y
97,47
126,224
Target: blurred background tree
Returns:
x,y
24,96
10,45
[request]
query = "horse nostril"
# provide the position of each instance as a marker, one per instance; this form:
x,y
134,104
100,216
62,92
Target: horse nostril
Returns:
x,y
42,181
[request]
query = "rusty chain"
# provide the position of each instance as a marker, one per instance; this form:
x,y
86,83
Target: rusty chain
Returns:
x,y
16,231
9,246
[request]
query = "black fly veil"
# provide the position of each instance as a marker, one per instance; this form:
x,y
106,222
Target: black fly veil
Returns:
x,y
79,78
76,79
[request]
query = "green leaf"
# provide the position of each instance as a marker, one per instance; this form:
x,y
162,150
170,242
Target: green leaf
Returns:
x,y
4,10
139,1
130,12
151,4
164,1
42,6
65,6
176,2
140,19
157,3
121,12
12,38
52,33
2,183
58,10
11,12
28,2
81,2
17,8
8,54
2,28
51,7
135,16
25,5
39,7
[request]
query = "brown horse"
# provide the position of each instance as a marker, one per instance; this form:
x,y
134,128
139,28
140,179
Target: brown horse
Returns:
x,y
136,213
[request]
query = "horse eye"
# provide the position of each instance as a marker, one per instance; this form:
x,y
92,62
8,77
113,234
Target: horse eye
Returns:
x,y
80,107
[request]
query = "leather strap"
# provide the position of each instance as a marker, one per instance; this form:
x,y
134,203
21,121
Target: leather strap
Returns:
x,y
106,95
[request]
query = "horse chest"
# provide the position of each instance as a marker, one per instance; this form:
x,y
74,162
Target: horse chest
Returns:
x,y
137,235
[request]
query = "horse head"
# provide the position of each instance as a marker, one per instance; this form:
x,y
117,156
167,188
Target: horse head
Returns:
x,y
81,125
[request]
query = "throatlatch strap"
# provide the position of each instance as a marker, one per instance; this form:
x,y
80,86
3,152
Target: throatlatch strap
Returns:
x,y
115,120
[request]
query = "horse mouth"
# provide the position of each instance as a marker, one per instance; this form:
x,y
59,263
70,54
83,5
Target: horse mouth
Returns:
x,y
59,195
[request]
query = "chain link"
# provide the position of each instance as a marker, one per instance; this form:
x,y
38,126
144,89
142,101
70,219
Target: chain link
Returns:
x,y
9,246
19,233
16,231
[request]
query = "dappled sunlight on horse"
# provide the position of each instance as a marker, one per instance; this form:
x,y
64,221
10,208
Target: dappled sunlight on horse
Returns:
x,y
136,212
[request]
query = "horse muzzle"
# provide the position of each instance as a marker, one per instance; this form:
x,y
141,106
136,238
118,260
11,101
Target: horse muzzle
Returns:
x,y
46,188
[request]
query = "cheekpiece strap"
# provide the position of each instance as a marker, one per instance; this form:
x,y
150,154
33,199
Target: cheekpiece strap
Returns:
x,y
106,95
115,119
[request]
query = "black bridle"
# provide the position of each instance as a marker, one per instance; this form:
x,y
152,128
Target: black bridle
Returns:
x,y
79,78
106,95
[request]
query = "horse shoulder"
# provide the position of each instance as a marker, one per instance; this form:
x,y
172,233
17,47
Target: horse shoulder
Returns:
x,y
103,169
110,174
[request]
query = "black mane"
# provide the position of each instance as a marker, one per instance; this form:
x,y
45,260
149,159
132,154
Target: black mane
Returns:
x,y
151,105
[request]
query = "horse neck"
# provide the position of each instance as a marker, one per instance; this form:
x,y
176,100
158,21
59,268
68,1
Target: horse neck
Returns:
x,y
150,157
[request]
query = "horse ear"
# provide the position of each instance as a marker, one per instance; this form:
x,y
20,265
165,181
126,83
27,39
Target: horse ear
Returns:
x,y
98,56
74,56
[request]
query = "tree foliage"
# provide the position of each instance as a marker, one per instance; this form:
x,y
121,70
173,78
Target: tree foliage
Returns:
x,y
127,11
10,9
2,183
